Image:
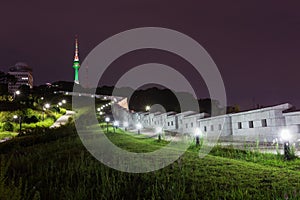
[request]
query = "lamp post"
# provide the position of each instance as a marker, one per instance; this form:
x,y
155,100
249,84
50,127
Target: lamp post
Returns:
x,y
46,106
159,131
286,136
116,124
16,93
139,126
147,108
107,120
20,122
125,124
197,136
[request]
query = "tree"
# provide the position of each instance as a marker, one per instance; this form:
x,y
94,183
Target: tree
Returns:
x,y
6,79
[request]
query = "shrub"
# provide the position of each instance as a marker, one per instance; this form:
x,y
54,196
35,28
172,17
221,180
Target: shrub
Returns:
x,y
8,126
32,119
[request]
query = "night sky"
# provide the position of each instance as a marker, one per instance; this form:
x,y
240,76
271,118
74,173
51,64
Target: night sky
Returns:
x,y
255,44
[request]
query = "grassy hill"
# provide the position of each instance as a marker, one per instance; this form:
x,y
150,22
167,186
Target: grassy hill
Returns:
x,y
55,165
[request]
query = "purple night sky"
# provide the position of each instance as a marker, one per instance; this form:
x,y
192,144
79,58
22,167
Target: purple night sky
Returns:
x,y
255,44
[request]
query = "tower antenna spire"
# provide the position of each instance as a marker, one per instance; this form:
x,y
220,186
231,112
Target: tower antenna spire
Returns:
x,y
76,64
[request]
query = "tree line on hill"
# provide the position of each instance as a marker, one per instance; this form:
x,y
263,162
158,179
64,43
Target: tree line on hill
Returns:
x,y
138,99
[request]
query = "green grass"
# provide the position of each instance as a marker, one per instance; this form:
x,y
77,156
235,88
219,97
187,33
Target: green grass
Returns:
x,y
7,134
50,118
55,165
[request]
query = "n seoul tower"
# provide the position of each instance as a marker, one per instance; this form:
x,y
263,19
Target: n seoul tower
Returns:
x,y
76,64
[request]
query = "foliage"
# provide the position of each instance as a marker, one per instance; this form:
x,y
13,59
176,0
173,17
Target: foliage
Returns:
x,y
7,134
7,126
8,190
29,120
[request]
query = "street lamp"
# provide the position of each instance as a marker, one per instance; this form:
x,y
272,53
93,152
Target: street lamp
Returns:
x,y
46,106
159,131
60,103
286,136
64,101
125,124
16,93
198,133
116,124
107,120
139,126
20,122
147,108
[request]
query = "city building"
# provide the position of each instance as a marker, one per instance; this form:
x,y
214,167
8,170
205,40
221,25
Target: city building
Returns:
x,y
23,74
264,124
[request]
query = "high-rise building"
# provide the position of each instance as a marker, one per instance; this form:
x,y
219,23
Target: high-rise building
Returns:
x,y
23,73
76,64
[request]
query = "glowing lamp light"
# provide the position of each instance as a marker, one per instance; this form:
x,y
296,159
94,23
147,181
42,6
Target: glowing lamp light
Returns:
x,y
64,101
285,135
139,126
147,108
198,132
158,129
47,105
15,116
116,123
18,92
101,113
60,103
107,119
98,109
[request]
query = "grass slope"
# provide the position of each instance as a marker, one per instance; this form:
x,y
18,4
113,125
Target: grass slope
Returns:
x,y
55,165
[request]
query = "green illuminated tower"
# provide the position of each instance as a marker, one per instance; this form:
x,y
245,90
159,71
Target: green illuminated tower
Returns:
x,y
76,64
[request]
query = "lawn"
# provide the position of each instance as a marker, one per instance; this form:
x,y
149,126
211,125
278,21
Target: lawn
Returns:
x,y
7,134
55,165
5,116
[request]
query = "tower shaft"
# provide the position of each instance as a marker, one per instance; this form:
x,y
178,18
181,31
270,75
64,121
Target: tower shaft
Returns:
x,y
76,64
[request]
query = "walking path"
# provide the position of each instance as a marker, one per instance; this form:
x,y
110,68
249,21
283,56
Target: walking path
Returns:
x,y
63,119
148,132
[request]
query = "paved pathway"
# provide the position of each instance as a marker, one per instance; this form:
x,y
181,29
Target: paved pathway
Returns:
x,y
148,132
63,119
